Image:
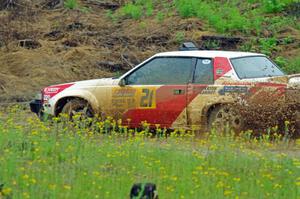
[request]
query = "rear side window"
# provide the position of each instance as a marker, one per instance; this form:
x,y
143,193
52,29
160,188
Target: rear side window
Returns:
x,y
204,72
162,71
255,67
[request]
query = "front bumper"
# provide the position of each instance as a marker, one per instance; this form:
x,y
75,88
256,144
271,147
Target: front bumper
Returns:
x,y
36,106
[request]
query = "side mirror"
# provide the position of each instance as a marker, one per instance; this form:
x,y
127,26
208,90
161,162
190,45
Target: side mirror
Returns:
x,y
122,83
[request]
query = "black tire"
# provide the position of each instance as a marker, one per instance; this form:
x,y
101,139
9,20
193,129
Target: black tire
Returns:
x,y
77,106
224,118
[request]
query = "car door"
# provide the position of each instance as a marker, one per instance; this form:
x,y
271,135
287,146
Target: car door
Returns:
x,y
201,91
157,91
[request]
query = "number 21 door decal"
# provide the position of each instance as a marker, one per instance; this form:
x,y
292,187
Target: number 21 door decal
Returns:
x,y
146,98
134,98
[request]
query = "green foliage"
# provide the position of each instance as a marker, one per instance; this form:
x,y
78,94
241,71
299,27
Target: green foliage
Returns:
x,y
246,47
223,18
85,9
212,45
149,8
110,14
281,62
271,6
268,45
180,37
187,8
231,17
278,23
137,9
236,16
160,16
133,11
71,4
289,66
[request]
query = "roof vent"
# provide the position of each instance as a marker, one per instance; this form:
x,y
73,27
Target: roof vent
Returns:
x,y
188,46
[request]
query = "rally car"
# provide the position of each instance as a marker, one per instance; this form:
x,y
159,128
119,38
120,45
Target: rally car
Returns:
x,y
182,89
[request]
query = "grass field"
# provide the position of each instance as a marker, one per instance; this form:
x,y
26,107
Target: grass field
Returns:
x,y
64,160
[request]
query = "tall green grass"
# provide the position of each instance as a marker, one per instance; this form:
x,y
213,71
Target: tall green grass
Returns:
x,y
74,160
291,66
273,6
223,18
247,17
71,4
137,9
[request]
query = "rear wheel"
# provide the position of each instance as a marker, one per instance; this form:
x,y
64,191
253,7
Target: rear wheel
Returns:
x,y
77,107
224,118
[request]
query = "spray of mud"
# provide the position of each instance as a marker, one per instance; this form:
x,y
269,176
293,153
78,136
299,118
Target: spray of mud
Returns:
x,y
270,109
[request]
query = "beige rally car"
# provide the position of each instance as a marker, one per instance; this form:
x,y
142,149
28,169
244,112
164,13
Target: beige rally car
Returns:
x,y
184,89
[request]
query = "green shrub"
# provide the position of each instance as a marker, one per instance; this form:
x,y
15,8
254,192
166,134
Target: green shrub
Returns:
x,y
224,19
137,9
110,15
281,62
179,37
71,4
268,45
289,66
187,8
160,16
149,9
133,11
271,6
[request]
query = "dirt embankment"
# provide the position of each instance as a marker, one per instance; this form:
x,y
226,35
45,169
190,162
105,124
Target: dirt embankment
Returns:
x,y
42,43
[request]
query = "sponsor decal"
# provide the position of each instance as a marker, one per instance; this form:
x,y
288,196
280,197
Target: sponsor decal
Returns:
x,y
51,91
206,61
123,98
233,89
128,98
219,71
209,90
237,83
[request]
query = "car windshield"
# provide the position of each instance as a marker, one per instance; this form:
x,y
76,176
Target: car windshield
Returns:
x,y
255,67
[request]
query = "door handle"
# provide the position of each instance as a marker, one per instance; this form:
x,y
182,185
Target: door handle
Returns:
x,y
178,92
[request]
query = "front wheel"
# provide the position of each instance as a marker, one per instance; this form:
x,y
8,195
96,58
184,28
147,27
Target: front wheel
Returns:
x,y
224,118
77,107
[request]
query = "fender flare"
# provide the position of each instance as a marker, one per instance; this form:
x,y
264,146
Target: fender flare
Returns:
x,y
83,94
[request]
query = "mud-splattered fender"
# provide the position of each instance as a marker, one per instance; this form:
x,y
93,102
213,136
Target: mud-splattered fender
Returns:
x,y
83,94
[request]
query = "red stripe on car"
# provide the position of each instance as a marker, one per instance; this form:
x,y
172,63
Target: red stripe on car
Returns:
x,y
51,91
221,67
168,108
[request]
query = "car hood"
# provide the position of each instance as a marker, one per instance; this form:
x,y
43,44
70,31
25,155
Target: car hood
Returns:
x,y
95,82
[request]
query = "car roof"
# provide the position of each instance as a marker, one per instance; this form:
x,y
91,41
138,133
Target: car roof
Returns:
x,y
208,54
